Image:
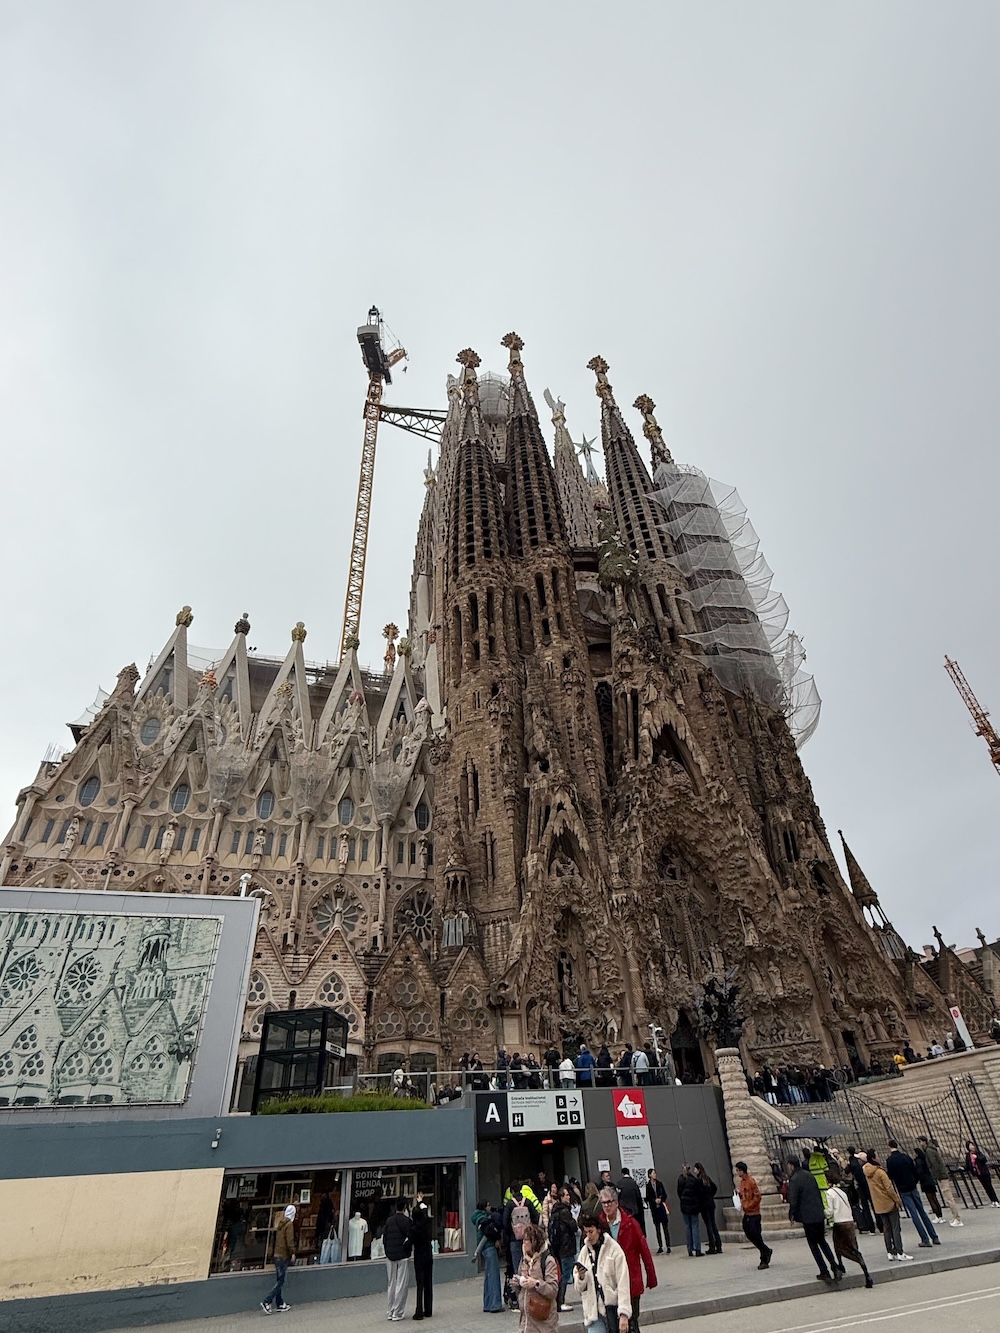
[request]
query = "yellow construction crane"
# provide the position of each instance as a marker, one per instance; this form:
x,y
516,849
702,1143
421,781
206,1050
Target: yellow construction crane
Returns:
x,y
378,362
980,718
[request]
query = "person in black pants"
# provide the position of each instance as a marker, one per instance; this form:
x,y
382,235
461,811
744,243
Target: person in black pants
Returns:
x,y
708,1193
423,1258
656,1202
805,1205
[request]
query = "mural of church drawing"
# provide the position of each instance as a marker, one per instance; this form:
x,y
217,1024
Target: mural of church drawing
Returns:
x,y
572,797
101,1009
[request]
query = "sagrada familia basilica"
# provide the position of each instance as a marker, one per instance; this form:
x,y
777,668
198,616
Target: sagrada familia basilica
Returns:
x,y
571,806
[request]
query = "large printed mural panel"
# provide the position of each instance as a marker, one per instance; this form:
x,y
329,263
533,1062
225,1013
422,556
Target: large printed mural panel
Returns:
x,y
100,1009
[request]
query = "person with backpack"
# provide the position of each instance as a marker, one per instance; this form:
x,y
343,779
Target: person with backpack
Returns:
x,y
488,1222
518,1216
537,1283
563,1242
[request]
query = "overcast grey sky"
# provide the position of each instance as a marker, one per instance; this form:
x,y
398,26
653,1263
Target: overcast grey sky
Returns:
x,y
778,219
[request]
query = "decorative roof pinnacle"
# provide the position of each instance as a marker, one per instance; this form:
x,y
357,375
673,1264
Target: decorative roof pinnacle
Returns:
x,y
468,358
652,432
515,344
600,368
184,617
298,632
242,625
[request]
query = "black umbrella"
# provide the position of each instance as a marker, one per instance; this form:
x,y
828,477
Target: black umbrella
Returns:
x,y
816,1127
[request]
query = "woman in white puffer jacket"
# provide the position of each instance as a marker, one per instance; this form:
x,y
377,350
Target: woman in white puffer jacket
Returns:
x,y
601,1277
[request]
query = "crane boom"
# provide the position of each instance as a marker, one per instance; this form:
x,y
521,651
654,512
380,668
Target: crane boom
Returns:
x,y
980,718
379,364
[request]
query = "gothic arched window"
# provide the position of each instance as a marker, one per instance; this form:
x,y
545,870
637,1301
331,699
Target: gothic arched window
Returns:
x,y
179,798
265,805
89,790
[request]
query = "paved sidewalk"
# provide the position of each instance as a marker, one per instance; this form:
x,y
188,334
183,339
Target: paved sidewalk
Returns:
x,y
687,1287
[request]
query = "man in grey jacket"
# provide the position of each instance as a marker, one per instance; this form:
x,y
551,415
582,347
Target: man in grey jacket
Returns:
x,y
942,1179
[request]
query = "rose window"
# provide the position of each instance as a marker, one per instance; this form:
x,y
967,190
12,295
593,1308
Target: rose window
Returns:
x,y
325,910
390,1023
405,991
418,916
75,1066
258,989
81,978
23,973
421,1022
333,991
28,1040
6,1065
103,1067
95,1041
33,1066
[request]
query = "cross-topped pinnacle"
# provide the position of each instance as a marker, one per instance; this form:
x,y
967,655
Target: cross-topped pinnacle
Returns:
x,y
514,343
468,358
600,368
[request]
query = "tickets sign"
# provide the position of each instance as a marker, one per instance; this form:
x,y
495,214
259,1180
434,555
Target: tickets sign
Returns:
x,y
634,1146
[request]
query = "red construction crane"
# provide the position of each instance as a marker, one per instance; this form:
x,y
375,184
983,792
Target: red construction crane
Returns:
x,y
980,718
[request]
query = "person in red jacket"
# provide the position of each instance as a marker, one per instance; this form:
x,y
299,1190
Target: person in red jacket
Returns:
x,y
625,1230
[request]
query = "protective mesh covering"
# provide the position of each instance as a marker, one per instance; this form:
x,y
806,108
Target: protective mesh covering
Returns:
x,y
744,622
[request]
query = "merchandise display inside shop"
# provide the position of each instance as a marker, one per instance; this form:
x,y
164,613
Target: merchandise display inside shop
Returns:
x,y
341,1212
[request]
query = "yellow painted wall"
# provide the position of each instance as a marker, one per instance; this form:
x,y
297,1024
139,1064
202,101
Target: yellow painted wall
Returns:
x,y
65,1234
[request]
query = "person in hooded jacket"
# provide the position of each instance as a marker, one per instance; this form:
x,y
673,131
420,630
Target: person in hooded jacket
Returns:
x,y
601,1276
284,1253
689,1200
488,1224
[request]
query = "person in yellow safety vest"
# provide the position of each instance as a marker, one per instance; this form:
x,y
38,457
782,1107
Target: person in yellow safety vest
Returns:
x,y
818,1162
528,1193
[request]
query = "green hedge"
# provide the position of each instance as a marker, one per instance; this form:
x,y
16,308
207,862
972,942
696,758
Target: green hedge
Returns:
x,y
378,1101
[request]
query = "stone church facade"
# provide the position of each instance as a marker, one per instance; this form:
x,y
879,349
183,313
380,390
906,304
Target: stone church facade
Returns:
x,y
546,820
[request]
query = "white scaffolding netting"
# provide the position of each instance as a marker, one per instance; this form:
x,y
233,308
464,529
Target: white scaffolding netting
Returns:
x,y
744,622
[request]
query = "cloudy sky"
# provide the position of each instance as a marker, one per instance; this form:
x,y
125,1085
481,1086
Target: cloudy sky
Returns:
x,y
778,219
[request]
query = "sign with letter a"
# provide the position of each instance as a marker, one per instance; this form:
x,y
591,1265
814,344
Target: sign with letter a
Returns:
x,y
634,1147
491,1115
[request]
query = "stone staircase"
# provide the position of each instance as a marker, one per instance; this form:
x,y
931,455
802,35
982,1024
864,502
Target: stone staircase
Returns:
x,y
774,1216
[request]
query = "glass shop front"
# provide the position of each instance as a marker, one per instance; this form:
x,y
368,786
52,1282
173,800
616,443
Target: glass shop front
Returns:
x,y
341,1212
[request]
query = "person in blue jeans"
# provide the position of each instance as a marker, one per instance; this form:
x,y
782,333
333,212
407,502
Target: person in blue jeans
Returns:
x,y
488,1222
284,1251
690,1198
902,1171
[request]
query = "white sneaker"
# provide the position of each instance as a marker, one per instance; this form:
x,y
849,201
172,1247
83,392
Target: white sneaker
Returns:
x,y
995,1205
892,1257
904,1256
564,1308
956,1222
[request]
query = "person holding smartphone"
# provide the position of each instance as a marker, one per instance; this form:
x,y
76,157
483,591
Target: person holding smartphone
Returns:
x,y
601,1277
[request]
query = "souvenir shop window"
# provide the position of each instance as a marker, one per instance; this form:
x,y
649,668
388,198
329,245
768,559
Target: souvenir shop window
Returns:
x,y
253,1203
372,1199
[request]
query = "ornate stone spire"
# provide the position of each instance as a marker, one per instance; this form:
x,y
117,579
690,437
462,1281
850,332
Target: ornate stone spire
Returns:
x,y
652,432
476,529
575,493
242,625
633,512
533,508
862,890
298,632
184,617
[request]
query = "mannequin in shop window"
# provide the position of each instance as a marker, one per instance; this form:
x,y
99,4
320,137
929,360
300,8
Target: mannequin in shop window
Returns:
x,y
357,1229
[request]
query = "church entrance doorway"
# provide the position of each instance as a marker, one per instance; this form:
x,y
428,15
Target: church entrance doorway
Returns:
x,y
686,1051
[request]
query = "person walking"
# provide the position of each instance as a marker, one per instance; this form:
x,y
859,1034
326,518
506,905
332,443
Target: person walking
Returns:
x,y
689,1196
563,1242
601,1277
659,1209
977,1164
630,1198
750,1200
841,1218
423,1258
625,1230
398,1241
941,1177
708,1193
537,1281
488,1222
805,1205
886,1204
284,1253
518,1216
861,1203
902,1171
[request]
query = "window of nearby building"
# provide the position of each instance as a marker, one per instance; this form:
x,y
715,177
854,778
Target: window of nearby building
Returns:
x,y
422,815
341,1212
265,805
345,811
89,790
179,798
150,730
